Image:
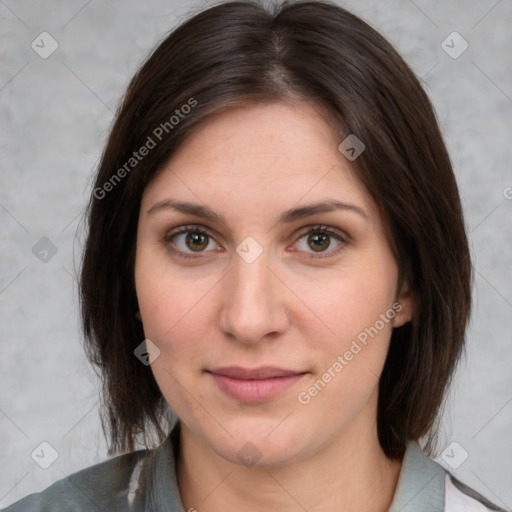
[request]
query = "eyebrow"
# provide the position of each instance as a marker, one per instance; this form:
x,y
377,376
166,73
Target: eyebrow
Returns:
x,y
287,217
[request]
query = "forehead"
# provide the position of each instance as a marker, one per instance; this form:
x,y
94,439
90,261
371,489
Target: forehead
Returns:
x,y
260,156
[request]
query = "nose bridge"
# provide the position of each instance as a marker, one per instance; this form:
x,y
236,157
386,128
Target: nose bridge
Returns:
x,y
251,306
252,277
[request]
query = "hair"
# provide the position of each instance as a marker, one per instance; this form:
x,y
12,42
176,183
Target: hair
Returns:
x,y
238,53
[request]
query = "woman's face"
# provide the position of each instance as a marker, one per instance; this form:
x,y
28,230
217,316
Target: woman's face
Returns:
x,y
271,335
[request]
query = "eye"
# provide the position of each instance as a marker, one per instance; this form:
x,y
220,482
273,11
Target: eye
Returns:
x,y
188,240
319,239
194,239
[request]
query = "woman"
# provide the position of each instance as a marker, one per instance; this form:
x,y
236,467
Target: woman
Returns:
x,y
277,254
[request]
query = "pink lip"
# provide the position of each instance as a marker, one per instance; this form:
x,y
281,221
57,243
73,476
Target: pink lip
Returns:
x,y
257,385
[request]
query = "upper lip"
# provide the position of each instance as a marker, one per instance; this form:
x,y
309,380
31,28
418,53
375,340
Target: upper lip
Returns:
x,y
263,372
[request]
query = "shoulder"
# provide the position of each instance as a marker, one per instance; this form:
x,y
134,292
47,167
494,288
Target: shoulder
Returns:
x,y
425,485
97,487
459,497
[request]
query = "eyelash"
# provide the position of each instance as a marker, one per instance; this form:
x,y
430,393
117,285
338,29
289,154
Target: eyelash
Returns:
x,y
317,229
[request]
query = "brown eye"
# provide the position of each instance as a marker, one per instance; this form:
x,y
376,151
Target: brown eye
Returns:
x,y
319,241
196,241
188,240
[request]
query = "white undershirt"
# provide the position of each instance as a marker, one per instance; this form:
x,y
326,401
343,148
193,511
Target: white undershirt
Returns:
x,y
456,501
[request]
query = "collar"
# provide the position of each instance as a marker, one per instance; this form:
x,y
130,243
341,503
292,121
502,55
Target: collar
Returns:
x,y
420,484
162,487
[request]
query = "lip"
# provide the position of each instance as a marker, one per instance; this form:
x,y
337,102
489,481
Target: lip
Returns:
x,y
254,385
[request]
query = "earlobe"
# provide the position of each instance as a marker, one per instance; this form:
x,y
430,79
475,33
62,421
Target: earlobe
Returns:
x,y
404,306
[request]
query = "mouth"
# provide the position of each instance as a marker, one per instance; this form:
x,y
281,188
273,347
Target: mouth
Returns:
x,y
254,385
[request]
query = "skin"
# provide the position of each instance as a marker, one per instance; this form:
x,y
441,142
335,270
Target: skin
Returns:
x,y
286,309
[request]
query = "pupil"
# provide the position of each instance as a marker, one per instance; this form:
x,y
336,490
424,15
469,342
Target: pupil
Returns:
x,y
198,241
319,237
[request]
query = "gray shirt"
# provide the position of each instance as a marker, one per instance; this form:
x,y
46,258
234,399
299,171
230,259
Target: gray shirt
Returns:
x,y
145,481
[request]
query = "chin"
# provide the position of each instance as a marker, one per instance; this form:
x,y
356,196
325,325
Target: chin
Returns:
x,y
261,455
262,443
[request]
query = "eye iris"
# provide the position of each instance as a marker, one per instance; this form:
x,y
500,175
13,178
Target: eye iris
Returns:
x,y
318,241
199,240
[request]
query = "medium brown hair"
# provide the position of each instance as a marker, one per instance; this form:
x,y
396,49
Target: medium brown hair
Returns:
x,y
236,53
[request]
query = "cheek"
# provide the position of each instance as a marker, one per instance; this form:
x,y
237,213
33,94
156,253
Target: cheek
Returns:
x,y
173,315
351,303
167,298
177,316
176,320
353,338
350,359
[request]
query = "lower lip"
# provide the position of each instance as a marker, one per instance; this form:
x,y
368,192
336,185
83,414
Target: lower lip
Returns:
x,y
254,391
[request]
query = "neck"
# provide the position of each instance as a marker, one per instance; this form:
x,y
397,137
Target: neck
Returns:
x,y
352,473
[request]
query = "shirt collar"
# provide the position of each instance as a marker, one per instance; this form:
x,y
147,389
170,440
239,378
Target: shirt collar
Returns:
x,y
420,484
163,485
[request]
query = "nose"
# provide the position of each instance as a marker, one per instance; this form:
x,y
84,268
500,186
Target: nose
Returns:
x,y
253,303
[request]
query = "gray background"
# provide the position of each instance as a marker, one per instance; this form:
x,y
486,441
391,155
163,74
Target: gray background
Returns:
x,y
55,116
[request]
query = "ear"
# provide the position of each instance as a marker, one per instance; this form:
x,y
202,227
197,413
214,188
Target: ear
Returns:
x,y
404,305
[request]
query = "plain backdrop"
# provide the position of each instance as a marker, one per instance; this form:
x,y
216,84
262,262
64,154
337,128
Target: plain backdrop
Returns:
x,y
56,112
